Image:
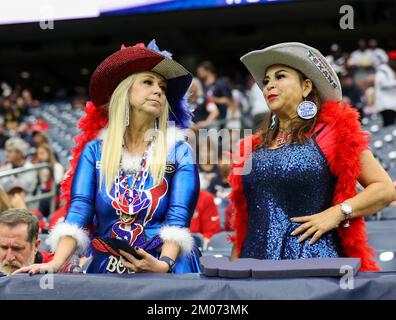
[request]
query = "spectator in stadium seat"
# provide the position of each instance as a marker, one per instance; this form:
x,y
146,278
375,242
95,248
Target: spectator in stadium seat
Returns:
x,y
48,176
362,63
205,111
15,189
379,53
22,107
29,101
216,89
12,116
16,192
337,58
19,243
39,137
40,125
208,161
219,185
385,91
16,151
351,93
206,219
136,181
24,132
294,193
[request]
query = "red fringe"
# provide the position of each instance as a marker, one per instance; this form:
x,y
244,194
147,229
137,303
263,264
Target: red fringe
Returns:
x,y
344,163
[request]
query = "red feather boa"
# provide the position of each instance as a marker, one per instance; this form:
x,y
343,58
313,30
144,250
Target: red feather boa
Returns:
x,y
344,163
94,120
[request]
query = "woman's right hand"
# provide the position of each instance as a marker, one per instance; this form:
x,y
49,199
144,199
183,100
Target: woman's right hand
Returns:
x,y
50,267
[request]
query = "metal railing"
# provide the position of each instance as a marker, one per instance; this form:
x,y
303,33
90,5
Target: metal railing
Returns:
x,y
35,198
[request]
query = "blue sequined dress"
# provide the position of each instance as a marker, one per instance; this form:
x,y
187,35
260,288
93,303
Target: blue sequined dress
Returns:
x,y
291,181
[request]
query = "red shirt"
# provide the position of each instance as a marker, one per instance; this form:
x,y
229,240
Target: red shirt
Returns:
x,y
206,219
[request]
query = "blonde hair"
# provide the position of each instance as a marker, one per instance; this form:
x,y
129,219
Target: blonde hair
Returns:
x,y
113,142
51,155
5,202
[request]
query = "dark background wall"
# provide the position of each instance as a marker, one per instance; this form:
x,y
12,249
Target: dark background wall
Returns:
x,y
67,55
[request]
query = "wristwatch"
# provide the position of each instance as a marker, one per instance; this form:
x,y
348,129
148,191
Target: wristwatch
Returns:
x,y
346,209
171,263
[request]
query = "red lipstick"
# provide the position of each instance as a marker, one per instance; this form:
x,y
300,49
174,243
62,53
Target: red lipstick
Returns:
x,y
272,97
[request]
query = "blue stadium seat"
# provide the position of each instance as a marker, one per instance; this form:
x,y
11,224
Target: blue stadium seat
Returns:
x,y
383,240
388,213
381,225
386,260
219,245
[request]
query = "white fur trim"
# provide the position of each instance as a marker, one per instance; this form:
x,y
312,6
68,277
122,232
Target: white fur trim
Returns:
x,y
129,162
62,229
180,236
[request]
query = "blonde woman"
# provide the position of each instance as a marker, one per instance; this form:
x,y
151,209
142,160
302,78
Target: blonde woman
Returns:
x,y
45,154
135,185
47,177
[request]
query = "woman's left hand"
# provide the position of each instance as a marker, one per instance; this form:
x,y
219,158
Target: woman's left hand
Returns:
x,y
147,264
318,224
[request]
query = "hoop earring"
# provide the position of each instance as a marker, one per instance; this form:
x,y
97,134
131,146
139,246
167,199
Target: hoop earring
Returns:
x,y
307,109
126,120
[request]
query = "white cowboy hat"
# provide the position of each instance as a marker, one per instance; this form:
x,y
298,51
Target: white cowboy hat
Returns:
x,y
298,56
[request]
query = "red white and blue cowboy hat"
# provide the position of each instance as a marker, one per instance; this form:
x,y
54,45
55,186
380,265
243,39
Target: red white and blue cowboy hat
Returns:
x,y
129,60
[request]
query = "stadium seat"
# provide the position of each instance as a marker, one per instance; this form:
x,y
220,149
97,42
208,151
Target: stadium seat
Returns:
x,y
381,225
388,213
219,245
382,237
386,260
383,240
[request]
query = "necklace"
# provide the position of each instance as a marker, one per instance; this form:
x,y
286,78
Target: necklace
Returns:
x,y
283,138
138,178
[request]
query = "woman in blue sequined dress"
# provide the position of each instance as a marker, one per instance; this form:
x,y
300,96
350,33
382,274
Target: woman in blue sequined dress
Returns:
x,y
294,195
136,182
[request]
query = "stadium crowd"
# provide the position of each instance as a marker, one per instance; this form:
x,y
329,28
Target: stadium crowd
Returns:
x,y
368,79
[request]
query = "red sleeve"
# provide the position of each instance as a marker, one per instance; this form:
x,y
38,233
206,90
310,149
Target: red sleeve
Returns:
x,y
325,137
